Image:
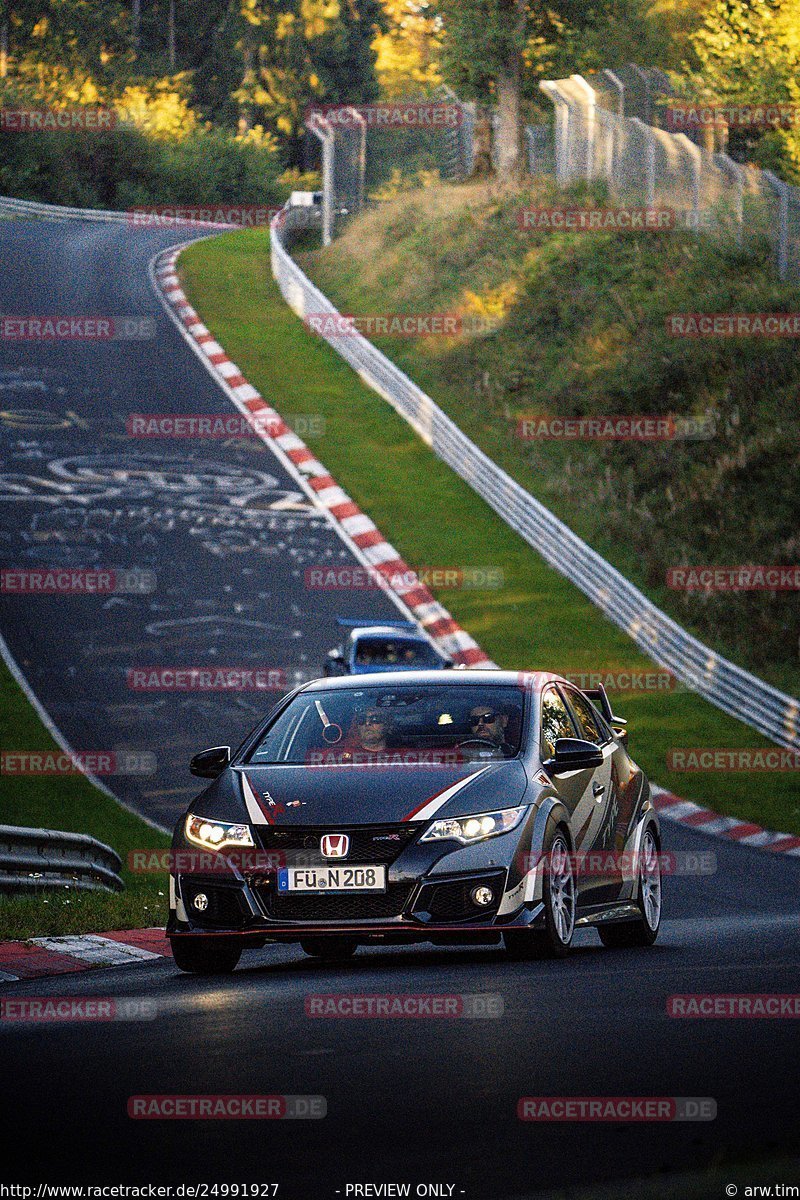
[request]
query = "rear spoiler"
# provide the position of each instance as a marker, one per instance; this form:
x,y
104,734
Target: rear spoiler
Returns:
x,y
601,702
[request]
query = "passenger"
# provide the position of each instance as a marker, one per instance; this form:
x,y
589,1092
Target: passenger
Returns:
x,y
366,738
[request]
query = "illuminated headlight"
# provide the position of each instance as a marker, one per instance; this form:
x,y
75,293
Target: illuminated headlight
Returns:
x,y
216,835
474,829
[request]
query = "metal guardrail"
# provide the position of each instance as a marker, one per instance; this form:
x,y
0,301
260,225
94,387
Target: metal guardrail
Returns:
x,y
719,681
59,212
36,859
33,208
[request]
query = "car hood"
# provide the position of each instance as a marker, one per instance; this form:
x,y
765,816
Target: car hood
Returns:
x,y
288,794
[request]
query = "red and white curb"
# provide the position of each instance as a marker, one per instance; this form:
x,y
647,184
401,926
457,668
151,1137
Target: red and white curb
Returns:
x,y
734,829
358,531
80,952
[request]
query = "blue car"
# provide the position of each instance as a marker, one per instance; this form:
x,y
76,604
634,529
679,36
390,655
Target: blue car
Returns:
x,y
383,646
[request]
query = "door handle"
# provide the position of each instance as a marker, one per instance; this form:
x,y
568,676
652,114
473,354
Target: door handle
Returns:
x,y
598,789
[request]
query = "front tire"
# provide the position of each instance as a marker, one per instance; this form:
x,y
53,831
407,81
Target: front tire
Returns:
x,y
559,894
205,956
329,949
642,932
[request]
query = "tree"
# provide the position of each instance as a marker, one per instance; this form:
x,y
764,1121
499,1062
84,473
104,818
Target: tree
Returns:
x,y
171,35
136,26
483,51
409,50
748,52
294,52
741,53
71,34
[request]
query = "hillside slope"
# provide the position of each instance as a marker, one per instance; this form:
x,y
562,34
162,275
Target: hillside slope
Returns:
x,y
578,327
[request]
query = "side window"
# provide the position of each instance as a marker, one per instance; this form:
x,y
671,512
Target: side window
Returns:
x,y
592,727
556,722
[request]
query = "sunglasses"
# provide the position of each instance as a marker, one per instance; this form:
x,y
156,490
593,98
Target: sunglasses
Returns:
x,y
371,720
483,719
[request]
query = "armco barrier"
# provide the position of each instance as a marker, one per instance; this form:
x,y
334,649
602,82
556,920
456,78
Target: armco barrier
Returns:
x,y
11,207
721,682
33,859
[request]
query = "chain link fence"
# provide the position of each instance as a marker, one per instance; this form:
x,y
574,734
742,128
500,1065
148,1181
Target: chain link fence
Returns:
x,y
342,132
605,130
368,148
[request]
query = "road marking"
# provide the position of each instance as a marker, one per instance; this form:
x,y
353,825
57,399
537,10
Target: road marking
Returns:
x,y
92,948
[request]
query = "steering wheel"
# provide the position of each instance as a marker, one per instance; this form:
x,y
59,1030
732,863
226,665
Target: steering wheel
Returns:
x,y
478,741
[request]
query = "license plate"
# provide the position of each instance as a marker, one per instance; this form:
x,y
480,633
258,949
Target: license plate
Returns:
x,y
332,879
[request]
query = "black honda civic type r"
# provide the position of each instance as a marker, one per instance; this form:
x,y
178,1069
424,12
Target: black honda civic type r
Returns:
x,y
448,807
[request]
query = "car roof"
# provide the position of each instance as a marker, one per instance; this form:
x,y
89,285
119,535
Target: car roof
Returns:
x,y
382,632
454,678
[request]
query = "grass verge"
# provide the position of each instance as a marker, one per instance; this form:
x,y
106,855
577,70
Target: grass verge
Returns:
x,y
72,803
537,619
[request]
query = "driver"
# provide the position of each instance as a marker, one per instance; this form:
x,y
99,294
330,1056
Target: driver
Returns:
x,y
489,724
367,736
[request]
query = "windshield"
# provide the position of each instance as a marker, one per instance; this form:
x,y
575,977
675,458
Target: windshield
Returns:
x,y
395,652
402,724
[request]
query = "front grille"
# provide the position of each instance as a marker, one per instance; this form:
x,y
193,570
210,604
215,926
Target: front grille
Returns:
x,y
334,906
373,844
226,907
452,901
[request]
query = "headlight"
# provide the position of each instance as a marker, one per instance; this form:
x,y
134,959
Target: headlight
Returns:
x,y
216,835
473,829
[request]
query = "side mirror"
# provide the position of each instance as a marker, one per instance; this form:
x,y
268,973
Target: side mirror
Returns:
x,y
208,764
335,664
574,754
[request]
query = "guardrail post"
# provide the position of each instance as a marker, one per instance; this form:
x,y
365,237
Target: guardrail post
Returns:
x,y
650,161
322,130
591,121
619,90
696,158
782,247
551,90
737,172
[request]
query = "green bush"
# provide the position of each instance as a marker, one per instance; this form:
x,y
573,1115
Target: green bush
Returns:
x,y
124,167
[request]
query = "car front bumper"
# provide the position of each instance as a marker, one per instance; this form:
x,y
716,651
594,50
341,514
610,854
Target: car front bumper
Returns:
x,y
428,908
